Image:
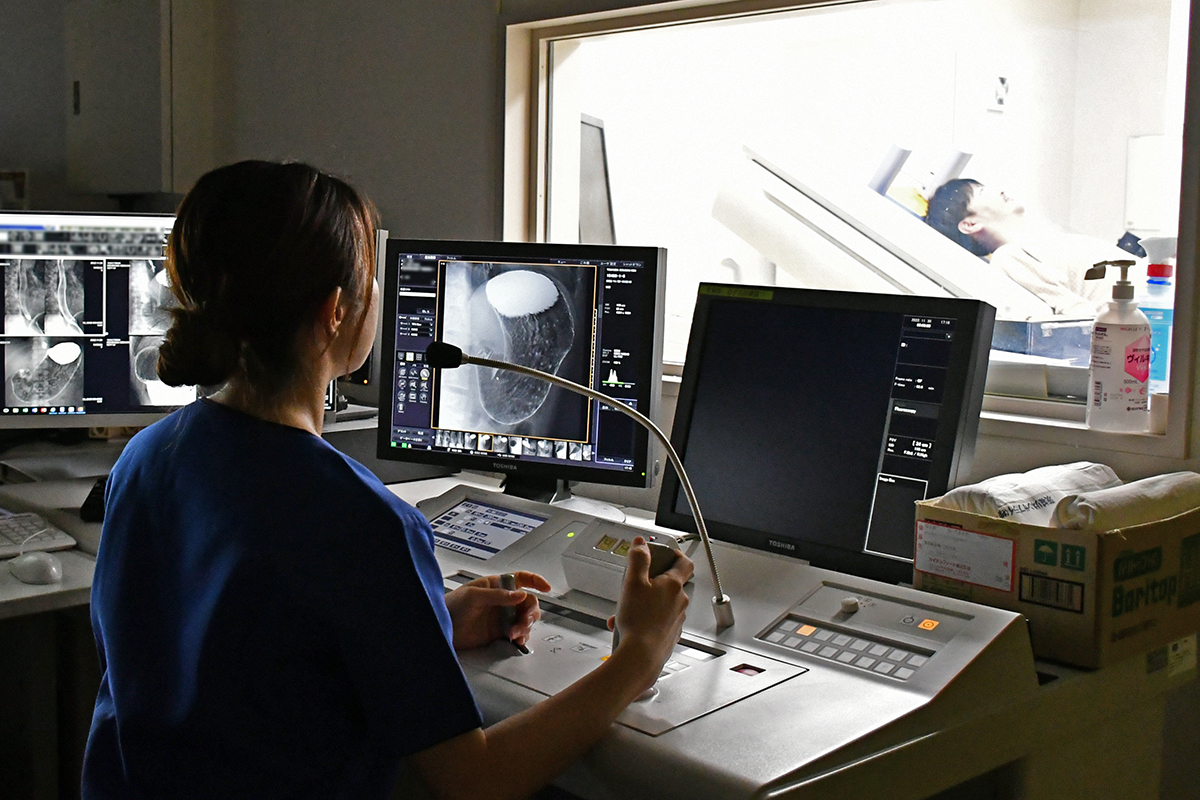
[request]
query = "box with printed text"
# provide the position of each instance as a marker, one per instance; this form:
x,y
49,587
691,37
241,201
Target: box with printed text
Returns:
x,y
1091,598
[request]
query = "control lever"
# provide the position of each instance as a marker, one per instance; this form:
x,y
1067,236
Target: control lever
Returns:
x,y
508,615
661,559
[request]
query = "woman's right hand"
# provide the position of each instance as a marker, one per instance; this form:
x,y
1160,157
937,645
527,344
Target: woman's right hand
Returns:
x,y
651,611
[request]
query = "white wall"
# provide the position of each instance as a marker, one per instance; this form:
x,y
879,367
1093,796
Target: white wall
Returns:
x,y
34,103
1126,41
400,97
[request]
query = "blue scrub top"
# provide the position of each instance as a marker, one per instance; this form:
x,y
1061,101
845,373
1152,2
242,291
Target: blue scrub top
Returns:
x,y
270,620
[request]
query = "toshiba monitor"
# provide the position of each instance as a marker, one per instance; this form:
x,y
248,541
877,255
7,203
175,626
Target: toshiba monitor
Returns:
x,y
86,305
810,422
591,314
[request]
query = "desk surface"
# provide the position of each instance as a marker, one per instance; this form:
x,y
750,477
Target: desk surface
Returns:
x,y
18,599
58,501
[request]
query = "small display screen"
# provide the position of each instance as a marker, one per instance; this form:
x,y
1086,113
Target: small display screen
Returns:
x,y
480,530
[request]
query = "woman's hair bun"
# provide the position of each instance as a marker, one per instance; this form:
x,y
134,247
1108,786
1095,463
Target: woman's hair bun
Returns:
x,y
256,249
197,352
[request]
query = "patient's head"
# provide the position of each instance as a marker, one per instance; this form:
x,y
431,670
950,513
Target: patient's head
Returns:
x,y
976,217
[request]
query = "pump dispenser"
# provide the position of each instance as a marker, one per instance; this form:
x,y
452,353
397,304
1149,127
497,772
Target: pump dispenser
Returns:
x,y
1120,397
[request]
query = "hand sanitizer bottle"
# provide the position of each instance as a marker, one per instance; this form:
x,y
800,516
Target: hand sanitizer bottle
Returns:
x,y
1120,370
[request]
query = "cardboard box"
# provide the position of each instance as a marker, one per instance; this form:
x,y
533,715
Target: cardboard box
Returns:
x,y
1091,598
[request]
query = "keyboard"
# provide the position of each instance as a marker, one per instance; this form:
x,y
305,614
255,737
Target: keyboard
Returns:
x,y
24,533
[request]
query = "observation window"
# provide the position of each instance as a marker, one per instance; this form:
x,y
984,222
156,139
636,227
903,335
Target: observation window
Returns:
x,y
802,147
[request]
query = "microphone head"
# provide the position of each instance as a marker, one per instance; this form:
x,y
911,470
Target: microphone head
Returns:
x,y
440,355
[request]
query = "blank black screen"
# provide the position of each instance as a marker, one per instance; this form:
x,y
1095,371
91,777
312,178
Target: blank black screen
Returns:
x,y
796,426
809,422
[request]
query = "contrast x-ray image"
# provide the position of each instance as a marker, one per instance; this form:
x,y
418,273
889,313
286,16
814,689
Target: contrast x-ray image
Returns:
x,y
535,315
143,375
40,371
150,298
43,297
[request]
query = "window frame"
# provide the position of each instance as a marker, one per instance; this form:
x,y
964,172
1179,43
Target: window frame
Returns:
x,y
530,27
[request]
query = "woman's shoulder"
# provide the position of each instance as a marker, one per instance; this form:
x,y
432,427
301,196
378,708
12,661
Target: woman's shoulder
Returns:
x,y
354,482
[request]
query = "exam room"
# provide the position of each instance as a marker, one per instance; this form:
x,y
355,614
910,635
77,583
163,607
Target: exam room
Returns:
x,y
424,108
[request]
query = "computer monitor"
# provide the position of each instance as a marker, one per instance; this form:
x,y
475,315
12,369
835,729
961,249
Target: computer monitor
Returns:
x,y
589,313
810,421
86,301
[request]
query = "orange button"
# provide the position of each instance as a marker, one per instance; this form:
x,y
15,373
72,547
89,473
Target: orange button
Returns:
x,y
927,624
806,630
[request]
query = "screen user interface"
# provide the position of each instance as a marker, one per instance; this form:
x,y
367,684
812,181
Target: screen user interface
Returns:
x,y
481,530
846,414
589,314
86,305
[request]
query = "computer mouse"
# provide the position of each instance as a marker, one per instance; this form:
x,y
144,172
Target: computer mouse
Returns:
x,y
36,568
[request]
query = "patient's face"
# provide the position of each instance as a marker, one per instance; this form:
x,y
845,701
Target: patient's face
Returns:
x,y
993,205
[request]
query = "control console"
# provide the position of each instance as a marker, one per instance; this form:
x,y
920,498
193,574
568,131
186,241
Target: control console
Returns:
x,y
819,666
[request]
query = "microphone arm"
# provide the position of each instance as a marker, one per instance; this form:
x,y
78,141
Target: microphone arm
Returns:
x,y
446,356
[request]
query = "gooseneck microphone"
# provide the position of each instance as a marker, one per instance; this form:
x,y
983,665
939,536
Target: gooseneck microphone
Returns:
x,y
441,355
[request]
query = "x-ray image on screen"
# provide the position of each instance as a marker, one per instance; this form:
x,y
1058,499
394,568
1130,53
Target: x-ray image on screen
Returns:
x,y
43,297
40,371
150,298
143,375
530,314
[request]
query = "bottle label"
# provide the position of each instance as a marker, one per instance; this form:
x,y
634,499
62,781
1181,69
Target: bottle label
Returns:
x,y
1137,359
1119,371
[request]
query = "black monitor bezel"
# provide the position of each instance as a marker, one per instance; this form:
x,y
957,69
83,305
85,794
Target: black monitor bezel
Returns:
x,y
642,474
963,398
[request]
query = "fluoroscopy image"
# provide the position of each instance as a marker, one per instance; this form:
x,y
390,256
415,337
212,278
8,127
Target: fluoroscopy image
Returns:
x,y
40,371
150,298
530,314
43,297
143,375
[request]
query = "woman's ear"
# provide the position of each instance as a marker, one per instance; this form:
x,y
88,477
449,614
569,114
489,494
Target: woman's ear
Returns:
x,y
332,313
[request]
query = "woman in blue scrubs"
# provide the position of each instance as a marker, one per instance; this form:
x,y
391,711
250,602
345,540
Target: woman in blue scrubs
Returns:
x,y
270,618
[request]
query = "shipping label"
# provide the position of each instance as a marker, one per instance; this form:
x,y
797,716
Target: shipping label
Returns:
x,y
975,558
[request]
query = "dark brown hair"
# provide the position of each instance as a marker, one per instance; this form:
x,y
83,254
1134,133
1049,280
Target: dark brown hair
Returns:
x,y
256,249
948,207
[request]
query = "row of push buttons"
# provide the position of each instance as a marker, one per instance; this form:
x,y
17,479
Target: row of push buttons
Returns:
x,y
866,654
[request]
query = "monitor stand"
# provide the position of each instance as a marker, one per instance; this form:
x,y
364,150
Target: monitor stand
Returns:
x,y
558,493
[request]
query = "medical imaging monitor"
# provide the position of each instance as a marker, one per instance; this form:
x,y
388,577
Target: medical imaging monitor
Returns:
x,y
86,305
811,421
589,313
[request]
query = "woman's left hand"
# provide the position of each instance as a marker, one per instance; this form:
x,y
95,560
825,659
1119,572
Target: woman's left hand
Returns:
x,y
477,610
